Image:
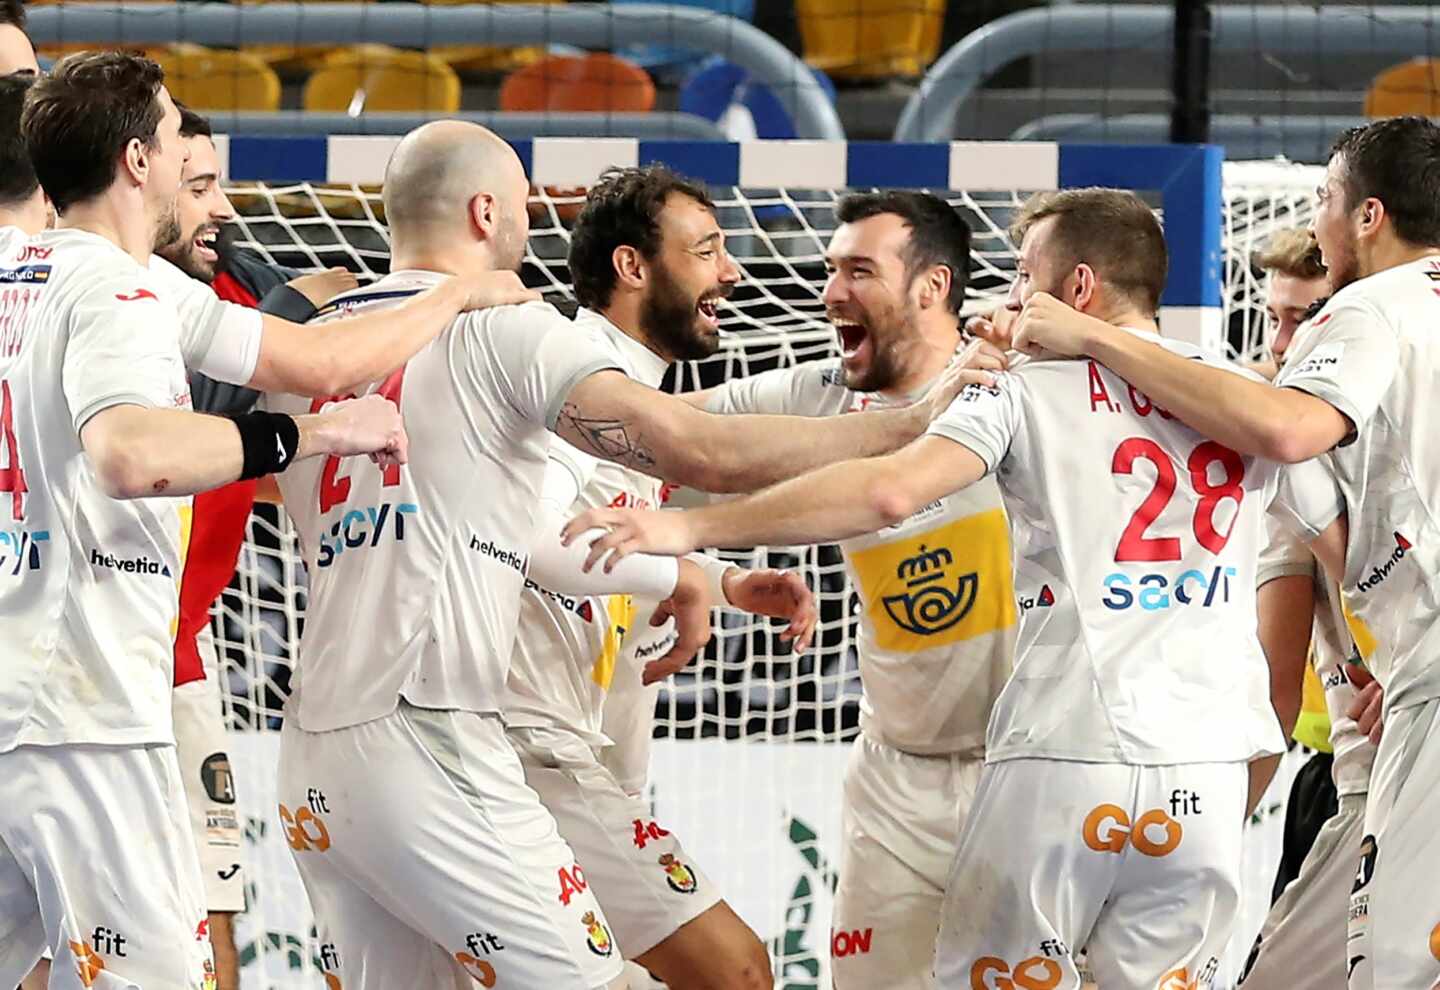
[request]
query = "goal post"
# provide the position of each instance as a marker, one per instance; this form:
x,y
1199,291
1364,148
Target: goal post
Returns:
x,y
748,728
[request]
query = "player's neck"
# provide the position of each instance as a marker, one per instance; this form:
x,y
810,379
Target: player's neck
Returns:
x,y
1393,252
928,355
1125,316
444,260
624,315
29,216
127,228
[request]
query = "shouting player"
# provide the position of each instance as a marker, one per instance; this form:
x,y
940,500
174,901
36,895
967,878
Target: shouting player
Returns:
x,y
97,861
1117,752
1360,385
446,864
648,260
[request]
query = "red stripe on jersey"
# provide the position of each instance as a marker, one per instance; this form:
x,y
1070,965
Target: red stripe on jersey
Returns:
x,y
217,531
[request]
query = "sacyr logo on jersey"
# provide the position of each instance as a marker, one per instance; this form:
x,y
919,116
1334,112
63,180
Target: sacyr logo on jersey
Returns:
x,y
139,564
1031,973
1107,829
364,528
1045,599
680,877
597,936
929,604
1155,591
1381,572
20,549
25,275
940,586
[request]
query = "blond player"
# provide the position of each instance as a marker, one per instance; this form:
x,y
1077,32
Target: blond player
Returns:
x,y
1361,386
648,260
97,862
426,857
1110,808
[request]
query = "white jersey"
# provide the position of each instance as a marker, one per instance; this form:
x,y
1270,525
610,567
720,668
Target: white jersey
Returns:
x,y
569,647
89,584
1140,537
1331,646
416,571
1373,354
937,601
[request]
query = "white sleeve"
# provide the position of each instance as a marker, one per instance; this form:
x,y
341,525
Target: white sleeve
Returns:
x,y
1308,497
567,473
1284,555
983,418
1350,361
121,349
558,567
798,391
219,339
714,570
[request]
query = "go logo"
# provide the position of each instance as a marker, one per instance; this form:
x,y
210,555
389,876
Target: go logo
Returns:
x,y
1108,828
477,969
1034,973
305,830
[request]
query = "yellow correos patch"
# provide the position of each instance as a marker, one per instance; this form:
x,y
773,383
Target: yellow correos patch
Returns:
x,y
187,518
943,586
620,613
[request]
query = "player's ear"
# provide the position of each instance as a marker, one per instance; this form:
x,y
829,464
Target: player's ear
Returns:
x,y
136,161
934,286
1081,290
1372,215
629,266
484,213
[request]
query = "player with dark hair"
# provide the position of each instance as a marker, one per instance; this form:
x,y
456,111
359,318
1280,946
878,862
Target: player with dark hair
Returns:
x,y
22,201
17,55
1361,388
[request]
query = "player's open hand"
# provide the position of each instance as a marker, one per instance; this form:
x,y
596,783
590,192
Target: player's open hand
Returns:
x,y
1367,708
371,425
501,288
321,287
960,372
689,605
778,594
1047,327
622,532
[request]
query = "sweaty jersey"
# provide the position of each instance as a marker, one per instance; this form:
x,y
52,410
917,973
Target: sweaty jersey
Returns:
x,y
416,571
88,583
1372,353
937,602
1140,537
568,648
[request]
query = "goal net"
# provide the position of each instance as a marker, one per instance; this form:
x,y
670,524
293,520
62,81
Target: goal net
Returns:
x,y
749,727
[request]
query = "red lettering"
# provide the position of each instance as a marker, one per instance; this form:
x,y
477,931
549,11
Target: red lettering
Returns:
x,y
135,296
1099,394
334,490
647,832
851,943
572,882
32,251
12,478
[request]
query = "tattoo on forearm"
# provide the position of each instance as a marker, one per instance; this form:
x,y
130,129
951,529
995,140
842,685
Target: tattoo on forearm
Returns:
x,y
612,439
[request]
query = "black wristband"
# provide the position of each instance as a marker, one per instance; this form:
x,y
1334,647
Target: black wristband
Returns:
x,y
269,441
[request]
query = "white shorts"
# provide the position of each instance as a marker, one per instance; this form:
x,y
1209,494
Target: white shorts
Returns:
x,y
900,825
1138,865
1394,936
98,865
200,745
1301,946
643,879
428,860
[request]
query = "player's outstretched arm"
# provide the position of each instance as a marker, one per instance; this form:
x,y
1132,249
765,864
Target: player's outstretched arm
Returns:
x,y
833,503
614,418
334,358
1280,424
138,452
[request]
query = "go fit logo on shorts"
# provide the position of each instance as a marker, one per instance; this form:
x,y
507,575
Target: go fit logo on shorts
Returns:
x,y
1108,828
1033,973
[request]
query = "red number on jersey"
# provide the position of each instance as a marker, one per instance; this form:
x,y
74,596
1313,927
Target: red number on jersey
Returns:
x,y
1134,545
12,478
333,489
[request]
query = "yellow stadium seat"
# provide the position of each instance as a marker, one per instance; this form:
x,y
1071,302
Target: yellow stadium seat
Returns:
x,y
489,58
290,60
377,77
216,79
870,39
1410,87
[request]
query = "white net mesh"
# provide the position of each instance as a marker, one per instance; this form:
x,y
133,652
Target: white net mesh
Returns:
x,y
746,684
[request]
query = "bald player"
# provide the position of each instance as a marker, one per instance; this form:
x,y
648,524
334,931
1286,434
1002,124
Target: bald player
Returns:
x,y
427,859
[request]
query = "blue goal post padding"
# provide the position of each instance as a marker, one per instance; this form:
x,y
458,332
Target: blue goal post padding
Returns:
x,y
1186,177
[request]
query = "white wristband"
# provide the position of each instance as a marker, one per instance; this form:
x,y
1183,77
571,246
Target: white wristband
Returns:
x,y
715,571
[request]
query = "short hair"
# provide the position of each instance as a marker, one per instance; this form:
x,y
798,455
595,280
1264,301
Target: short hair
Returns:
x,y
1111,230
622,209
1292,251
79,118
17,175
12,12
193,124
1396,161
939,235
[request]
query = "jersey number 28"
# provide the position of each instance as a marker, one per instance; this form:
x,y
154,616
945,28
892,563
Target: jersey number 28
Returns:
x,y
1134,545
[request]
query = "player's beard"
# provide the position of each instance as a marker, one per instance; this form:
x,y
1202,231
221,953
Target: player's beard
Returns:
x,y
670,318
167,228
887,339
1342,265
182,253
